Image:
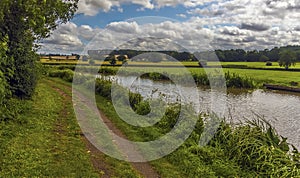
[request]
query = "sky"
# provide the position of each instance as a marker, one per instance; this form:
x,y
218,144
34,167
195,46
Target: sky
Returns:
x,y
189,25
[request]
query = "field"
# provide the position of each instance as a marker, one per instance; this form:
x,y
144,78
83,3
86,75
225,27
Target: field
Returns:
x,y
253,64
281,77
185,63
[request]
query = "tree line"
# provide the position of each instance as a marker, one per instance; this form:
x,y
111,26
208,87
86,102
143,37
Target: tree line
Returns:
x,y
239,55
231,55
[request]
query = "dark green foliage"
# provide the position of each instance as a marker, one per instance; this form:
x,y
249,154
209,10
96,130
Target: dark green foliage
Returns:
x,y
6,72
263,58
103,88
25,77
22,24
293,83
236,81
135,99
107,71
287,58
155,76
143,108
269,63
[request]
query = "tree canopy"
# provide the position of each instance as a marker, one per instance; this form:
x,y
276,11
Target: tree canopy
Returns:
x,y
22,24
287,58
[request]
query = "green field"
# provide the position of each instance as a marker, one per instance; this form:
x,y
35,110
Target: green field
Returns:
x,y
260,76
185,63
253,64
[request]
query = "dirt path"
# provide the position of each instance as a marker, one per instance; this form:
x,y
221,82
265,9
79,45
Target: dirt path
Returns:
x,y
97,157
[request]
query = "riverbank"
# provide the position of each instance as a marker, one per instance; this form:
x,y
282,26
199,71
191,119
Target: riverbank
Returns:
x,y
224,156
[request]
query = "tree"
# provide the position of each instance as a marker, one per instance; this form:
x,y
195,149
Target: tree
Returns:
x,y
122,58
287,58
113,61
263,58
22,24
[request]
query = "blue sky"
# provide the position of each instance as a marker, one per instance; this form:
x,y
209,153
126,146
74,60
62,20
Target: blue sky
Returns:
x,y
195,24
129,11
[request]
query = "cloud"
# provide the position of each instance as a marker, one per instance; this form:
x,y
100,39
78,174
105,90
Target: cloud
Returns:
x,y
218,24
123,27
181,15
255,26
93,7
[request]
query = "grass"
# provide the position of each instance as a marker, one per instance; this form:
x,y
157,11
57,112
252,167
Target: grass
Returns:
x,y
45,140
258,76
42,145
115,167
254,64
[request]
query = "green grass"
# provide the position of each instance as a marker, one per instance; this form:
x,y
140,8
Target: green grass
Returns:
x,y
254,64
45,143
263,76
259,76
45,140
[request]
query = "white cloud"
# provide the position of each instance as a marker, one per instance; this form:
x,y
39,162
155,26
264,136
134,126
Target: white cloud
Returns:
x,y
222,24
181,15
93,7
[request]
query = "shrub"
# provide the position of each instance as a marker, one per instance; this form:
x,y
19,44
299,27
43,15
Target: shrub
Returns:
x,y
237,81
66,75
294,83
269,63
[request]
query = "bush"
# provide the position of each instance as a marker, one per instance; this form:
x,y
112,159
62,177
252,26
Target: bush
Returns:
x,y
25,77
237,81
294,83
66,75
269,63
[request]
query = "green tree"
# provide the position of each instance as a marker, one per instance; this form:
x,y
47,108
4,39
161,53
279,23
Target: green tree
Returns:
x,y
263,58
287,58
122,58
113,61
22,24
